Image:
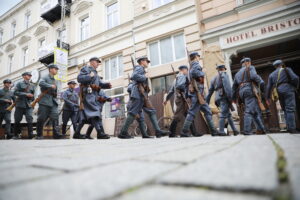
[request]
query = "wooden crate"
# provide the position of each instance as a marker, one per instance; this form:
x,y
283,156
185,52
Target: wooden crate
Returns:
x,y
48,132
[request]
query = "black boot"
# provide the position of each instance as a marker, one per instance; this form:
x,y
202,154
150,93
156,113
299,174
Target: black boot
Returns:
x,y
77,134
39,130
64,129
212,128
101,134
56,131
158,132
124,131
185,129
89,132
173,127
30,130
143,130
193,130
17,131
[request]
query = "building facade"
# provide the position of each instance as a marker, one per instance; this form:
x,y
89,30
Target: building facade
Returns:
x,y
113,30
264,30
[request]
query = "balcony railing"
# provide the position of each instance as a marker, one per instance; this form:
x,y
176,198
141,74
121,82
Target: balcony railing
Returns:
x,y
51,11
46,53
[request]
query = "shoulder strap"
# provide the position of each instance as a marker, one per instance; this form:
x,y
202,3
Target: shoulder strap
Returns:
x,y
287,74
280,70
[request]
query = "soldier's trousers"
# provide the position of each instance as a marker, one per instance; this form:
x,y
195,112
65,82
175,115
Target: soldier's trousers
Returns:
x,y
252,112
196,107
288,105
6,117
19,112
43,113
67,115
136,106
225,114
181,109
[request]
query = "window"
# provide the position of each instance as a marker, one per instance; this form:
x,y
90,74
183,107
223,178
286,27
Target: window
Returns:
x,y
162,84
117,106
241,2
113,68
10,63
167,50
13,29
112,15
25,56
27,20
84,28
1,36
158,3
62,35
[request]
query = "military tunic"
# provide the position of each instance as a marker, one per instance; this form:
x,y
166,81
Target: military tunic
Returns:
x,y
242,87
286,86
70,108
6,94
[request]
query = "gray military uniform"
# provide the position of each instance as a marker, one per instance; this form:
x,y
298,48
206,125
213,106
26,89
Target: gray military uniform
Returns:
x,y
6,94
23,106
286,86
242,87
220,84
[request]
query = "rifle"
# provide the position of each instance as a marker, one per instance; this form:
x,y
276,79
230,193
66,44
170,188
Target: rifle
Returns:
x,y
193,83
227,98
181,94
39,98
142,89
81,106
256,92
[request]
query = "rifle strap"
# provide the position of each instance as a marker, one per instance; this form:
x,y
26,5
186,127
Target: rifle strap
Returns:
x,y
280,70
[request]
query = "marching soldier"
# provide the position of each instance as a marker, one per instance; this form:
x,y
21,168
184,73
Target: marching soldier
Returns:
x,y
24,92
179,88
196,94
286,82
221,86
242,91
48,104
102,99
70,108
140,102
90,86
6,99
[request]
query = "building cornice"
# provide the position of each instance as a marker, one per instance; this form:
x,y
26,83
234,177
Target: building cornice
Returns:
x,y
14,9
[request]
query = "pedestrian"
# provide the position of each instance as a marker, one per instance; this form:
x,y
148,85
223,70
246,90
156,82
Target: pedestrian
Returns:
x,y
48,105
24,92
6,99
90,84
70,107
285,82
220,84
242,91
179,89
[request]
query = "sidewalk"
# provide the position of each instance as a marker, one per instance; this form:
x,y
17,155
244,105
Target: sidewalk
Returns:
x,y
144,169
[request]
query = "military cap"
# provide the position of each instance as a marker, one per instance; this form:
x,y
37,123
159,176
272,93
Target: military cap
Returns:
x,y
194,54
7,81
95,59
182,67
220,67
26,74
242,61
52,66
277,62
143,58
247,59
71,82
202,74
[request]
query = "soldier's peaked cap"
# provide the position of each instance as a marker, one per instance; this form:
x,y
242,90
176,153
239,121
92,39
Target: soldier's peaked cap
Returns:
x,y
7,81
182,67
26,73
95,59
52,66
143,58
277,62
220,67
71,82
194,54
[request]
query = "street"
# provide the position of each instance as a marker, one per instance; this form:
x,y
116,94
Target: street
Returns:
x,y
241,167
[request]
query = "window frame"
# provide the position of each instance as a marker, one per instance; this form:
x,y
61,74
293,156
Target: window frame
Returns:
x,y
1,36
81,28
25,56
117,14
118,56
13,27
174,59
162,4
113,96
165,82
27,20
10,61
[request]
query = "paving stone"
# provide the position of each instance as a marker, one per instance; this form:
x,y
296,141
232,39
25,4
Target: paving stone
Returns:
x,y
97,183
18,175
291,147
248,165
158,192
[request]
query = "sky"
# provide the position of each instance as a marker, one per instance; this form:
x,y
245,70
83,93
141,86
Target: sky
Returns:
x,y
5,5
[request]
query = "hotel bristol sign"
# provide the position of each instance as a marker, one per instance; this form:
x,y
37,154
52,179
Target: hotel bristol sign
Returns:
x,y
262,32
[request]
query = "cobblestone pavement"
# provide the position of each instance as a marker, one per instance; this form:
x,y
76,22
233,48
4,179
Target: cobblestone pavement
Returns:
x,y
252,167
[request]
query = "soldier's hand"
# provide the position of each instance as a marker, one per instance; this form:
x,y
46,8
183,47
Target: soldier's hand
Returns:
x,y
29,95
109,85
165,103
92,74
53,86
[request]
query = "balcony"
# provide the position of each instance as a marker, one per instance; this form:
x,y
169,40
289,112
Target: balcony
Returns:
x,y
46,53
51,11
